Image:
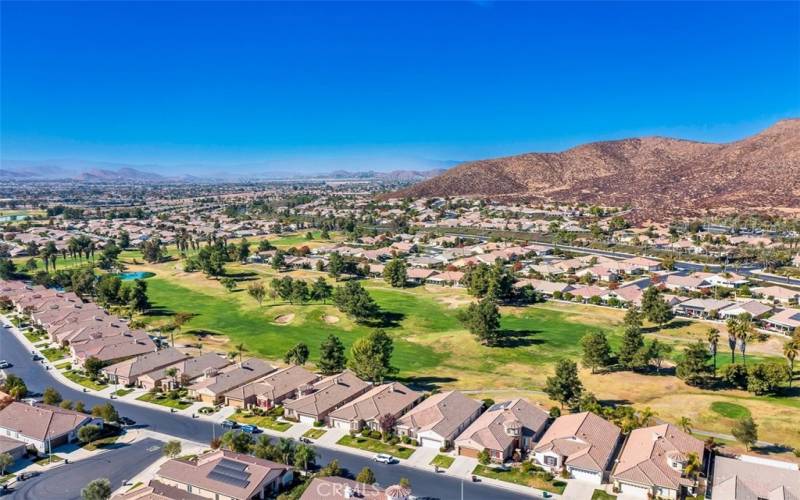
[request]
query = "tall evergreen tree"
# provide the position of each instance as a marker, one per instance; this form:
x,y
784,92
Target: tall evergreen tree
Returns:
x,y
564,386
331,356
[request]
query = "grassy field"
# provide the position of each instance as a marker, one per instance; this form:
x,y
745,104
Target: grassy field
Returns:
x,y
432,349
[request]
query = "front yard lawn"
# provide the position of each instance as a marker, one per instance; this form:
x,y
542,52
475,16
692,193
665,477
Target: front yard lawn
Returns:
x,y
163,400
602,495
7,477
264,422
443,461
122,392
85,381
55,353
100,443
47,460
517,476
35,335
314,433
64,364
369,444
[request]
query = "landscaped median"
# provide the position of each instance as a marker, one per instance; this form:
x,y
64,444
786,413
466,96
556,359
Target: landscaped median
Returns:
x,y
375,445
530,475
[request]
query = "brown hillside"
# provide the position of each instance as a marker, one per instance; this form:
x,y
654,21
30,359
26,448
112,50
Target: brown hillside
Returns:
x,y
655,175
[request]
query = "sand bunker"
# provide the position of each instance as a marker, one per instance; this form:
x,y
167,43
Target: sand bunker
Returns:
x,y
285,319
330,319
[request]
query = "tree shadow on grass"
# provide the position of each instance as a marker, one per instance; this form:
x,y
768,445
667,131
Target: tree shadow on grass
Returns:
x,y
160,311
425,383
385,319
518,338
677,323
243,275
773,448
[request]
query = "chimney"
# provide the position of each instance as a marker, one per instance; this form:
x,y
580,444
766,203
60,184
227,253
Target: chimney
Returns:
x,y
391,388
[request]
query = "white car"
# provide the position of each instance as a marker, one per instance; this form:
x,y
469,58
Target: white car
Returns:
x,y
4,364
384,458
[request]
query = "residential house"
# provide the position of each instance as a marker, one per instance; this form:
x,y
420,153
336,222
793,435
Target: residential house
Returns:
x,y
502,430
778,294
754,308
785,321
547,288
156,490
653,461
223,474
439,419
212,389
187,370
583,444
43,426
419,275
754,478
15,448
702,308
315,402
128,372
685,283
446,278
272,389
641,264
367,410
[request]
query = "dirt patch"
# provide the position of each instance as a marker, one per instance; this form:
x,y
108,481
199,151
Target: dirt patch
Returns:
x,y
284,319
331,320
453,302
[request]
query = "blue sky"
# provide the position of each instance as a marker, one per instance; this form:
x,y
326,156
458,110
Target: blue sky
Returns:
x,y
383,85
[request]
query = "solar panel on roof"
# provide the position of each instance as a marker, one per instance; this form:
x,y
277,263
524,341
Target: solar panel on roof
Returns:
x,y
224,478
230,472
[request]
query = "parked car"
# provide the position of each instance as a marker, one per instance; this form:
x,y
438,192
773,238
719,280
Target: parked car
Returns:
x,y
249,429
229,424
36,357
126,421
4,364
22,476
384,458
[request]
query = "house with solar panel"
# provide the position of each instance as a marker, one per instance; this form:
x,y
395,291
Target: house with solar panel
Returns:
x,y
226,475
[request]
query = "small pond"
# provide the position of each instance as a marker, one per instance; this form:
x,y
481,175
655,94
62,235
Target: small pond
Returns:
x,y
135,275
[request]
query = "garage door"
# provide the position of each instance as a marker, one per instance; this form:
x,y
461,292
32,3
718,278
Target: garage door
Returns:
x,y
304,419
468,452
634,490
585,475
431,443
341,424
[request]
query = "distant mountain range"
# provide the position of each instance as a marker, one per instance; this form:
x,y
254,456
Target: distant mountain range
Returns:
x,y
105,172
657,176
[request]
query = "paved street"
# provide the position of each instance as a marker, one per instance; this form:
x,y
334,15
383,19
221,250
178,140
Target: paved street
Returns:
x,y
65,482
425,484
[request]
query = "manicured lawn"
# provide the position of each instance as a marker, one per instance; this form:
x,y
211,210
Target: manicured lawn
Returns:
x,y
100,443
374,445
48,460
85,381
443,461
160,399
265,422
35,336
63,364
122,392
8,477
730,410
602,495
54,354
516,476
314,433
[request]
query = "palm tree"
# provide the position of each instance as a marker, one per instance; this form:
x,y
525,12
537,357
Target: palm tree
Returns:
x,y
286,449
713,341
791,349
685,423
732,328
693,466
744,331
240,349
646,416
304,454
172,373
